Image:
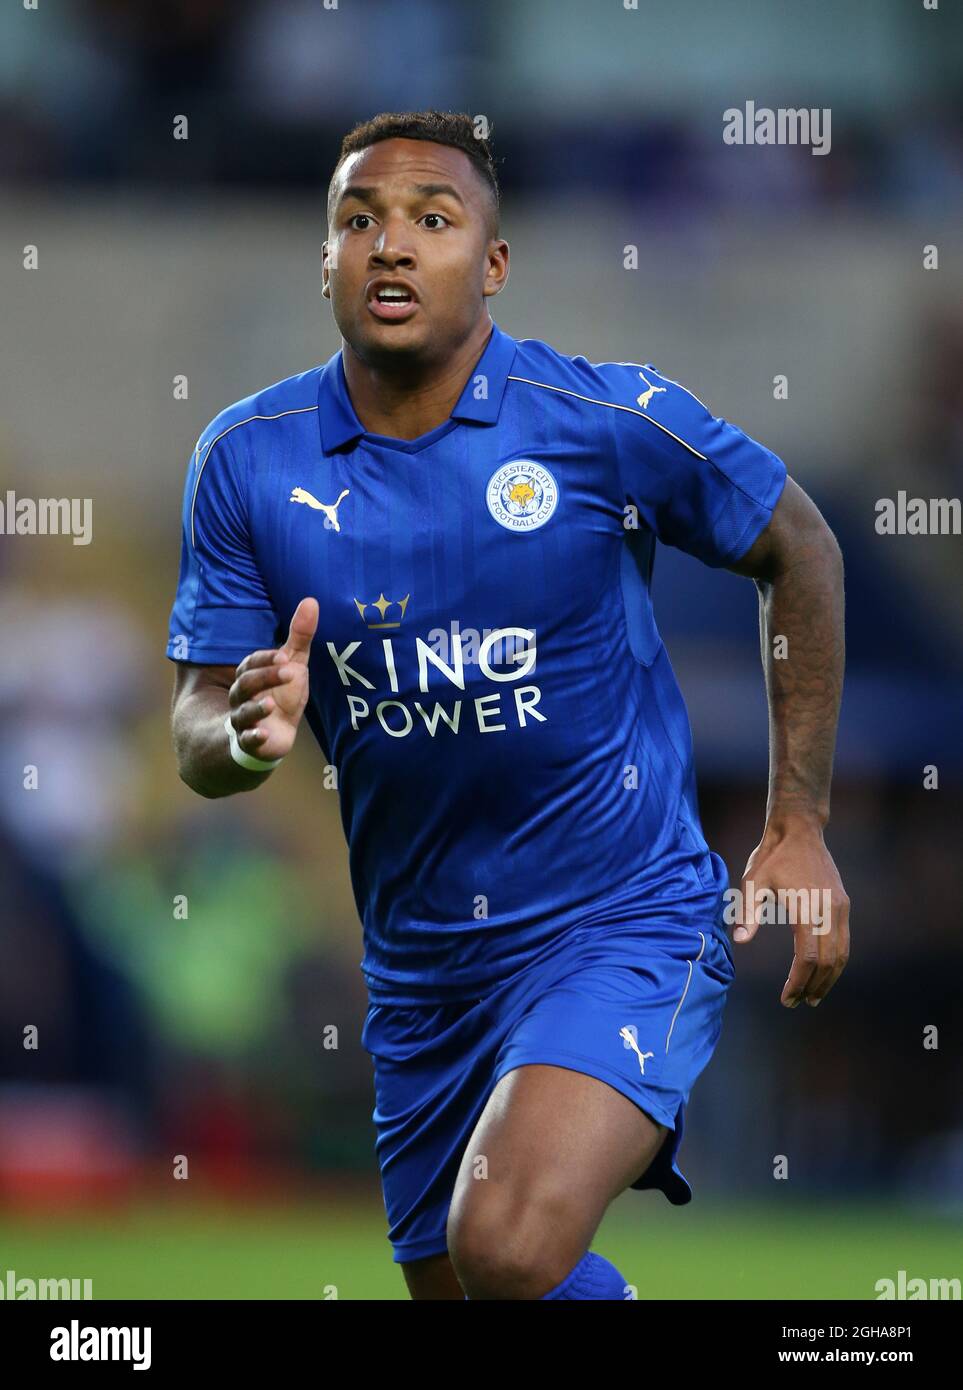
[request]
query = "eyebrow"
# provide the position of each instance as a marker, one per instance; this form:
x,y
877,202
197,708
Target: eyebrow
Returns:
x,y
435,190
355,190
367,194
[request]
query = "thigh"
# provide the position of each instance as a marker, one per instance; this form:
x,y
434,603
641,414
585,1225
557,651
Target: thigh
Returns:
x,y
592,1076
432,1278
552,1149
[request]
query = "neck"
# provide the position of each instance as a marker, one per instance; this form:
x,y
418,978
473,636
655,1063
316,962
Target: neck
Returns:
x,y
406,400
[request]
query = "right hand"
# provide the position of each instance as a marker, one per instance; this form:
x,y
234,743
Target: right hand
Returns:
x,y
267,723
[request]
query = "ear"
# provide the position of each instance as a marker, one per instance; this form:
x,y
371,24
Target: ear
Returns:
x,y
325,289
496,276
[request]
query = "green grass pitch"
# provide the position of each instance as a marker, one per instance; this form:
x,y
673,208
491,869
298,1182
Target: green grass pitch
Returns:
x,y
737,1251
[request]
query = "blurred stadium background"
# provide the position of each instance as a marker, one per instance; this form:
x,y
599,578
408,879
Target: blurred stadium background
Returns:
x,y
159,257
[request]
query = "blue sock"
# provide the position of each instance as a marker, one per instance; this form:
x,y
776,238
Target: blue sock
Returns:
x,y
591,1278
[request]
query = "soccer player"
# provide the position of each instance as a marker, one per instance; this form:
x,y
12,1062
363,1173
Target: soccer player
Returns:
x,y
437,548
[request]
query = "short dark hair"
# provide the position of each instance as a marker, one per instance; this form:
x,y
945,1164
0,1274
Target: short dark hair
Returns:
x,y
441,128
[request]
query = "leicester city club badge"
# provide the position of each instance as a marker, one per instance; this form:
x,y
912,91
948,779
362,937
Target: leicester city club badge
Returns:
x,y
522,495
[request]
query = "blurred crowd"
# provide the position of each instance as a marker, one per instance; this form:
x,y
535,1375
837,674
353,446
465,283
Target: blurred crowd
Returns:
x,y
89,92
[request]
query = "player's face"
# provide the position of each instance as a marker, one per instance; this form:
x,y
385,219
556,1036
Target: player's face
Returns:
x,y
409,258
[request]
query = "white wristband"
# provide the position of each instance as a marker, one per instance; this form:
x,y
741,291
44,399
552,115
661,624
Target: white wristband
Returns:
x,y
245,759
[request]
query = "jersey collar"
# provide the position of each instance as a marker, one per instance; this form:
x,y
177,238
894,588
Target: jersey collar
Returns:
x,y
480,401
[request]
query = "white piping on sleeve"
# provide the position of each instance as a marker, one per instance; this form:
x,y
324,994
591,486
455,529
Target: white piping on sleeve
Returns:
x,y
612,406
300,410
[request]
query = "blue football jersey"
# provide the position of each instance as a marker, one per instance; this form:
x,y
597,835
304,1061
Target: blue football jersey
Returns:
x,y
512,752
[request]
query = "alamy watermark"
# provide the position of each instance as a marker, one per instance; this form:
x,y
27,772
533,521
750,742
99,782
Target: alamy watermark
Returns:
x,y
47,516
491,646
786,125
12,1288
917,516
913,1288
76,1343
788,907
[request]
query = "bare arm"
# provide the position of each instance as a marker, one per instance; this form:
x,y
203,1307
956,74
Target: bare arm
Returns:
x,y
265,696
199,704
798,570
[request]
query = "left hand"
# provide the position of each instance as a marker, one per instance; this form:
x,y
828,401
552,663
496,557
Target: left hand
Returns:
x,y
794,860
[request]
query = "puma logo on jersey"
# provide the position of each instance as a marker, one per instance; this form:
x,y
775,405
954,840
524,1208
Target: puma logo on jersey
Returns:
x,y
627,1036
330,509
646,396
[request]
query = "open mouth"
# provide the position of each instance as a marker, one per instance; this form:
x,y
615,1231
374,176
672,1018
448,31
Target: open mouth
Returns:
x,y
391,301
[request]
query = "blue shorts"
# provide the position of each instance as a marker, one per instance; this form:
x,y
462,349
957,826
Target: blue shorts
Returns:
x,y
637,1007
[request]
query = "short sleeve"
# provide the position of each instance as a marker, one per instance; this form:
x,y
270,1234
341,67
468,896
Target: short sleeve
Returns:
x,y
699,483
221,610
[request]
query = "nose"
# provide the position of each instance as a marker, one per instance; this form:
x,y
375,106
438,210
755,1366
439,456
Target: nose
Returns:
x,y
393,249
